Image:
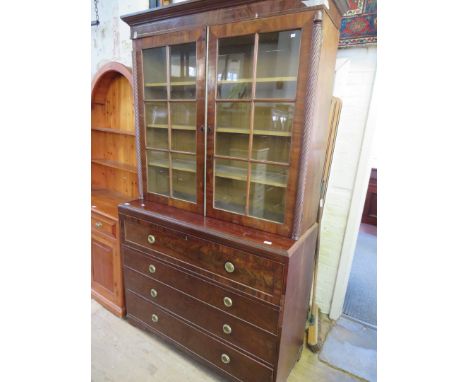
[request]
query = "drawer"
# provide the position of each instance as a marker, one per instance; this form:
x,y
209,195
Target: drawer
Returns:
x,y
231,329
256,273
239,365
104,225
256,312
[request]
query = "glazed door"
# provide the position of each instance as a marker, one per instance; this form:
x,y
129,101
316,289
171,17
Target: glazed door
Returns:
x,y
171,75
255,97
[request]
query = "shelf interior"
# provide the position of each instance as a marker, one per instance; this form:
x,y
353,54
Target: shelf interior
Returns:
x,y
113,171
106,201
113,131
258,80
236,173
115,164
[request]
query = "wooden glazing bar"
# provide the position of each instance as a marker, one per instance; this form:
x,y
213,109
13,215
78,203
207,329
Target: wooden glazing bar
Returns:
x,y
252,114
169,119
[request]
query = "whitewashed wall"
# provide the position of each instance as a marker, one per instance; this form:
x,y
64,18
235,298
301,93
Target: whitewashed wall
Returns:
x,y
354,82
110,41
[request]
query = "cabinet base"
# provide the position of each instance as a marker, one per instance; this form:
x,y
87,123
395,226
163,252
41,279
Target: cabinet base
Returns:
x,y
109,305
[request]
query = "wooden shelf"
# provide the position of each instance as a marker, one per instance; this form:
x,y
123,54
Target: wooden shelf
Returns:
x,y
173,127
113,131
256,132
162,84
115,164
177,164
258,80
236,173
273,133
183,127
105,202
232,130
152,126
277,180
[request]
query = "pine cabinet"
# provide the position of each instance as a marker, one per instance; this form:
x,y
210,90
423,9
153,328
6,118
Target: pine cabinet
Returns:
x,y
113,178
232,111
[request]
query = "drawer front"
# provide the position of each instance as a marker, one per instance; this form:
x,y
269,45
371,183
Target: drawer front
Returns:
x,y
234,331
255,272
104,225
240,365
260,314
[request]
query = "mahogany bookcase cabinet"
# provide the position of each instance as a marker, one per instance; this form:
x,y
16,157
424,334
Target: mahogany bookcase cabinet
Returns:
x,y
232,103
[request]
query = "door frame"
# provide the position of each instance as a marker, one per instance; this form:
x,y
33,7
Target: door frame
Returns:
x,y
353,222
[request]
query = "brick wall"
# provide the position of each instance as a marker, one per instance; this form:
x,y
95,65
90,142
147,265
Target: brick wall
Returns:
x,y
354,81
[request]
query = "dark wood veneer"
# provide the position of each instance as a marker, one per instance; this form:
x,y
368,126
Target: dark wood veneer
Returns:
x,y
180,249
253,310
191,339
260,344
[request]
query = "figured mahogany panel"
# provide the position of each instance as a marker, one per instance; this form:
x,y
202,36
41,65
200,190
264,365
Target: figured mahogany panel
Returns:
x,y
257,312
255,273
240,365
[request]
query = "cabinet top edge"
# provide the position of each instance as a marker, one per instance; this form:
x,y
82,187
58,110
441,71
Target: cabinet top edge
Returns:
x,y
198,6
210,227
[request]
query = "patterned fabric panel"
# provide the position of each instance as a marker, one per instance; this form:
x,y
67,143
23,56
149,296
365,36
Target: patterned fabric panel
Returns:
x,y
359,24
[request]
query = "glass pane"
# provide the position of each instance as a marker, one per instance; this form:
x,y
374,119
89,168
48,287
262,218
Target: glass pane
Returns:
x,y
272,131
232,129
183,71
274,119
277,64
158,172
230,185
183,125
235,55
155,73
184,178
268,191
271,148
156,125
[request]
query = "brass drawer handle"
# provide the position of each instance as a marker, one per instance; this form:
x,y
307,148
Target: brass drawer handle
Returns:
x,y
225,358
227,329
152,268
229,267
154,318
151,239
227,302
154,293
98,224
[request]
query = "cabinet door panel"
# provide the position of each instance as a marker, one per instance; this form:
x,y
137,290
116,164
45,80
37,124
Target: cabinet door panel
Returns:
x,y
256,88
171,71
102,264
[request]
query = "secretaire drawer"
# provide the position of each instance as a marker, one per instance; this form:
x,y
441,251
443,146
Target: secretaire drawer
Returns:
x,y
231,329
104,225
257,313
217,353
255,272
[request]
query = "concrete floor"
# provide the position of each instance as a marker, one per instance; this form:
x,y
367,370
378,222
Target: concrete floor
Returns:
x,y
123,353
352,346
